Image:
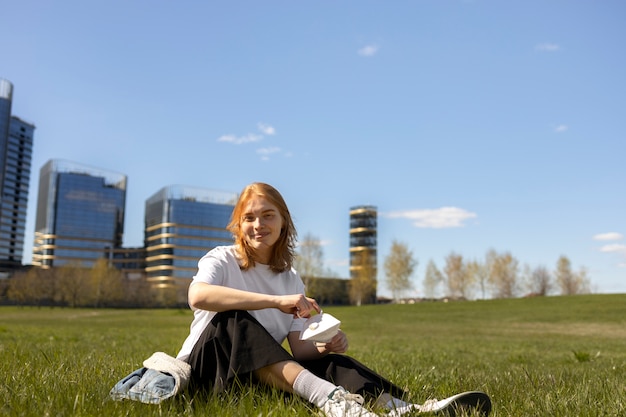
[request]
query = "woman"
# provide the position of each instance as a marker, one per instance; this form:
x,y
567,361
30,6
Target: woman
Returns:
x,y
247,299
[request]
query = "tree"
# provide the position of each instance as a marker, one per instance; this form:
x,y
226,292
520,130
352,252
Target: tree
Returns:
x,y
32,287
309,261
363,282
503,274
139,293
538,280
399,266
74,285
479,273
432,279
457,279
107,284
569,282
329,291
24,288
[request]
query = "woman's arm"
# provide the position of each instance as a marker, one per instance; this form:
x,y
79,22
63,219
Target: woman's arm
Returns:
x,y
218,298
307,350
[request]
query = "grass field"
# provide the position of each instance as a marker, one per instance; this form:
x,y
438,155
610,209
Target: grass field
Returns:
x,y
555,356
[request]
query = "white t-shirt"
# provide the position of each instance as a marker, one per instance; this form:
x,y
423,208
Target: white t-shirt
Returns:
x,y
220,266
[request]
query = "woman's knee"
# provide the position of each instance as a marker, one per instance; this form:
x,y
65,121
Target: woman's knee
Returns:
x,y
281,375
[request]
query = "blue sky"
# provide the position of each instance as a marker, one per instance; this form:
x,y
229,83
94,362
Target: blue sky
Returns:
x,y
471,125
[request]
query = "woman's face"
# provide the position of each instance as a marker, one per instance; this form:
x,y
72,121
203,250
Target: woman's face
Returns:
x,y
261,225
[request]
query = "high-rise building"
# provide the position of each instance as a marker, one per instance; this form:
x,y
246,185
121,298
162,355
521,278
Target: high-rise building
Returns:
x,y
80,214
363,259
16,146
181,225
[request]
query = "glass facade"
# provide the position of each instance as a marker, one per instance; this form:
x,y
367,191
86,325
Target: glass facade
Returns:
x,y
131,261
80,214
16,147
181,225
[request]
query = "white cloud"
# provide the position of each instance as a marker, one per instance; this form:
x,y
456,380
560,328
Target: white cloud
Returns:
x,y
561,128
266,152
608,236
369,50
266,129
238,140
250,137
614,248
444,217
618,249
547,47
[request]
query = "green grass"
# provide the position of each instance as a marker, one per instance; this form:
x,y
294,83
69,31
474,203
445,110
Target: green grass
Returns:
x,y
556,356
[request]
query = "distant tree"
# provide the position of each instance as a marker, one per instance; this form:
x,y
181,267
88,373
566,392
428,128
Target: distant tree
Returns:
x,y
538,280
458,280
432,279
569,282
139,293
74,284
4,288
363,282
329,291
399,267
34,286
503,274
309,261
479,273
24,288
106,284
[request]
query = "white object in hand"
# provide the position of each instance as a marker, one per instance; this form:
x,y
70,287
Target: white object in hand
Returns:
x,y
320,328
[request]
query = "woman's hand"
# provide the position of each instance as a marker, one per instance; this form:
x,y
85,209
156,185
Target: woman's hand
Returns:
x,y
298,305
307,350
338,344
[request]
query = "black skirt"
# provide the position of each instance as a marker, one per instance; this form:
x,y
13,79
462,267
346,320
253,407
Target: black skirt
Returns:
x,y
235,344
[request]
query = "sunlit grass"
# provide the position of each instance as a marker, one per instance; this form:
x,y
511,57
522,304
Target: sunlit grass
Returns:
x,y
556,356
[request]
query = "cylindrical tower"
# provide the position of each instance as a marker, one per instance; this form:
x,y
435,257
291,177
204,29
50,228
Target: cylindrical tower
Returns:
x,y
363,260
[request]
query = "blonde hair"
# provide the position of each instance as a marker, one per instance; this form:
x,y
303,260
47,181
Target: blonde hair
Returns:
x,y
283,251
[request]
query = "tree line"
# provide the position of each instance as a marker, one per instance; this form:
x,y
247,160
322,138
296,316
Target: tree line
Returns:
x,y
497,275
75,286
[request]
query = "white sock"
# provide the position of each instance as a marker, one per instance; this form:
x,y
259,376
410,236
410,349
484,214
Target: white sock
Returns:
x,y
312,388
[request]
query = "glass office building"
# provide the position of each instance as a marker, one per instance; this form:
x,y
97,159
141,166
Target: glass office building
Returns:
x,y
181,225
16,146
80,214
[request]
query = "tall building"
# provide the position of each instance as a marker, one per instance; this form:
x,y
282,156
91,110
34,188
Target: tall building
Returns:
x,y
80,214
16,146
363,259
181,225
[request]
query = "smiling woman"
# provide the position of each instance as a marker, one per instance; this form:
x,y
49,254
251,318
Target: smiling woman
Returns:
x,y
247,300
258,226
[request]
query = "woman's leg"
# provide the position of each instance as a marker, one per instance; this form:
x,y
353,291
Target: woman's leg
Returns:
x,y
281,375
353,375
236,345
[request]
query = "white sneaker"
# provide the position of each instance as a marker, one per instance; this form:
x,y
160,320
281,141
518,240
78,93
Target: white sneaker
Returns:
x,y
451,405
343,404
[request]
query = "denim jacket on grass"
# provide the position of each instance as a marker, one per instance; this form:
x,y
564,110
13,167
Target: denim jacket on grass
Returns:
x,y
161,377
